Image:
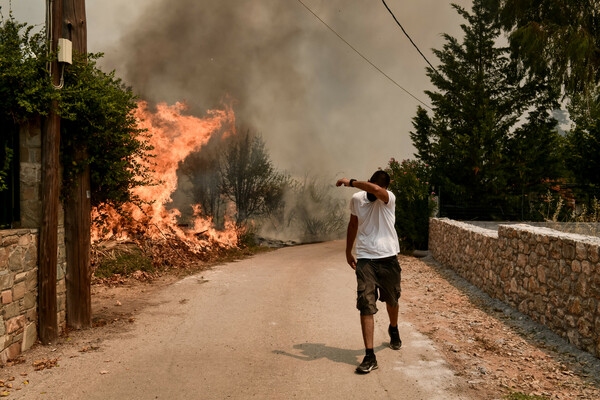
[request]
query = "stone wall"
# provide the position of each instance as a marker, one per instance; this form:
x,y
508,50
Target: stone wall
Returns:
x,y
30,152
553,277
19,256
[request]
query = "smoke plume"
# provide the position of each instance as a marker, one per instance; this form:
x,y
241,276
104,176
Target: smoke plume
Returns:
x,y
320,108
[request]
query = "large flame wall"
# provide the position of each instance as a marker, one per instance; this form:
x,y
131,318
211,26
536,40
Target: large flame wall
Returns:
x,y
174,136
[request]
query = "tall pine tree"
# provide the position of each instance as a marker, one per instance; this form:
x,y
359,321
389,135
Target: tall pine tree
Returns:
x,y
481,97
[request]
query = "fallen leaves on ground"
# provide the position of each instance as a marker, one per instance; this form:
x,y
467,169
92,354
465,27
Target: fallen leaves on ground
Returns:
x,y
85,349
15,361
45,363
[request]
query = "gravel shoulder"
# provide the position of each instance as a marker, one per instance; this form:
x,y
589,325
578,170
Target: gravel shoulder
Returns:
x,y
496,349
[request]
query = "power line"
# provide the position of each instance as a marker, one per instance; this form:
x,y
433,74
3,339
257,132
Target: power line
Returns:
x,y
363,57
409,38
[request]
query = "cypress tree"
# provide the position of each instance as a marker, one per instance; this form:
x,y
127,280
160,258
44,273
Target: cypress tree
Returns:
x,y
482,97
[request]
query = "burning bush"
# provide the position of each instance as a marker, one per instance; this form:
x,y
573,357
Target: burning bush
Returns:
x,y
151,224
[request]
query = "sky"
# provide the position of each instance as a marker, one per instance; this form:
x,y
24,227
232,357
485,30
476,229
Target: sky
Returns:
x,y
320,108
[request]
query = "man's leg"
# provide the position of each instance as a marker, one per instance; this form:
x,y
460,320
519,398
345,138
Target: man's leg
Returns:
x,y
368,326
393,314
368,363
366,303
395,342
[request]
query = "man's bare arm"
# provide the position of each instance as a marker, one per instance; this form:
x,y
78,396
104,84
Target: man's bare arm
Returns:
x,y
379,192
350,238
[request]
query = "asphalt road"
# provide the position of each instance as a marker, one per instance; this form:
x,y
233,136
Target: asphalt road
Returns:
x,y
281,325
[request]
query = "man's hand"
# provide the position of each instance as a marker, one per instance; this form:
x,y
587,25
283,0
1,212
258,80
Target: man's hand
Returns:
x,y
351,260
343,181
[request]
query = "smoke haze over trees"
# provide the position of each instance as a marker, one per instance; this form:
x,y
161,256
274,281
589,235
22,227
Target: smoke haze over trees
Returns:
x,y
291,79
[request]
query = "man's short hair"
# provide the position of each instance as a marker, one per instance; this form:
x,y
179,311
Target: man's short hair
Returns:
x,y
380,178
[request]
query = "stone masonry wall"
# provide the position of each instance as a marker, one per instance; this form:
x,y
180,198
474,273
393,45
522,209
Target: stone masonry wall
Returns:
x,y
30,153
19,256
19,290
551,276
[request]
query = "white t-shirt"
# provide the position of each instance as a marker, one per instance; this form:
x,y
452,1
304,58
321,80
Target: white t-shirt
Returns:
x,y
376,237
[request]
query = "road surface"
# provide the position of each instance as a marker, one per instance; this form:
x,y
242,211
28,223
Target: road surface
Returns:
x,y
281,325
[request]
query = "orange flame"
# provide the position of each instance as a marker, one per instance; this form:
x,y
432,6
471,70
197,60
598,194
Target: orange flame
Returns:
x,y
174,136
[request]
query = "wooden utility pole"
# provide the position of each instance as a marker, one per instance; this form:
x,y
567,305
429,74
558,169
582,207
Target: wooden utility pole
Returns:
x,y
48,246
78,208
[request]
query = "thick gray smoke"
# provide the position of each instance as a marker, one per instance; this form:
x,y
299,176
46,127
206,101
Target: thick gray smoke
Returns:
x,y
207,52
320,108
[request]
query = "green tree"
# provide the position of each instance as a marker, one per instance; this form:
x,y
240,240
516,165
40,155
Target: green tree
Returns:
x,y
481,96
583,143
536,152
249,178
583,148
423,136
98,112
561,37
97,109
25,89
415,202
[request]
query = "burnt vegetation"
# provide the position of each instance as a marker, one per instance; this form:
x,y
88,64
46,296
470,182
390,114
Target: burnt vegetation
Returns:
x,y
233,177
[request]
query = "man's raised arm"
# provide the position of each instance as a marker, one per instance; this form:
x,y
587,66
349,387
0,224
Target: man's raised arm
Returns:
x,y
379,192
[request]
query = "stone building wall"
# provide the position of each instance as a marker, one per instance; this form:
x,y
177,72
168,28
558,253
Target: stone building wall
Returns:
x,y
19,256
553,277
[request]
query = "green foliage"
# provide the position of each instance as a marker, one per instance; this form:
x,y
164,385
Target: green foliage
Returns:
x,y
124,262
535,151
98,114
472,140
562,37
4,166
25,88
583,147
249,178
415,201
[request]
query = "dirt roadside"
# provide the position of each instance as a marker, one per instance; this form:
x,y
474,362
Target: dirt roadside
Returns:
x,y
496,350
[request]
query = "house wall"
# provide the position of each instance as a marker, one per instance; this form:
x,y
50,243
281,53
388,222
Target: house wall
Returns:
x,y
553,277
19,256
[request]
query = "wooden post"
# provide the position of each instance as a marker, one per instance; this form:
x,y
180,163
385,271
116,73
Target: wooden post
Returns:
x,y
48,246
78,203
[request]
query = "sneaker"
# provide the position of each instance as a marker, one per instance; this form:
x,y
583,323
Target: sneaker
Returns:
x,y
367,365
395,342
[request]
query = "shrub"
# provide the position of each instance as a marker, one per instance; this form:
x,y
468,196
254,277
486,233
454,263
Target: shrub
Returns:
x,y
415,202
124,261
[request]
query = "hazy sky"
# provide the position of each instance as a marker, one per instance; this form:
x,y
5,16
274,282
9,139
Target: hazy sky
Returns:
x,y
320,107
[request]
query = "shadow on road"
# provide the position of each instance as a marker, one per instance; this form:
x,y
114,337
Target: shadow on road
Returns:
x,y
315,351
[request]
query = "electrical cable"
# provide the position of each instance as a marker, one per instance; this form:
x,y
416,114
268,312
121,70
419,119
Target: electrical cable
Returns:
x,y
409,38
363,57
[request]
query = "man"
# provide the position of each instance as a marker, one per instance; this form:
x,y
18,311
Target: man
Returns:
x,y
377,270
